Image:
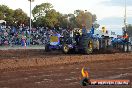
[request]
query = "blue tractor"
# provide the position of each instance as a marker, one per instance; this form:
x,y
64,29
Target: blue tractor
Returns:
x,y
122,43
79,41
87,42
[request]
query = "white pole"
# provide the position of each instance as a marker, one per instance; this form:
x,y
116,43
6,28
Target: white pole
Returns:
x,y
30,19
30,23
125,17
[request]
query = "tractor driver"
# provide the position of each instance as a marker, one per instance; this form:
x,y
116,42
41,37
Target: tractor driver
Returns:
x,y
125,36
77,35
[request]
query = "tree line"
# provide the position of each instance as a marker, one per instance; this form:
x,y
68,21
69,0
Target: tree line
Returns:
x,y
45,15
13,17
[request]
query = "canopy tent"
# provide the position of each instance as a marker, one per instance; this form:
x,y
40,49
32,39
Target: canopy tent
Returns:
x,y
2,21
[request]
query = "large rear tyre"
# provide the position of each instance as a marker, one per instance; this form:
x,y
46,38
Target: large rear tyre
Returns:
x,y
65,48
89,47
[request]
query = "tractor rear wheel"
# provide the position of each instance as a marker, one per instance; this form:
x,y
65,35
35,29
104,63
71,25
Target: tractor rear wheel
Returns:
x,y
89,47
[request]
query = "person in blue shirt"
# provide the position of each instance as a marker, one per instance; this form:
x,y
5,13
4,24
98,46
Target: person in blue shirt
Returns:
x,y
92,30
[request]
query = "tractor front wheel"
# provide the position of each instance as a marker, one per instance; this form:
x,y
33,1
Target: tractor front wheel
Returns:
x,y
65,48
47,49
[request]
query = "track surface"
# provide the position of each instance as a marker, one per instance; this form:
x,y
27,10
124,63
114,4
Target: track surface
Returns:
x,y
64,75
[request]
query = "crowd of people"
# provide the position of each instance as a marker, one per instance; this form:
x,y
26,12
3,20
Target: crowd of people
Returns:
x,y
14,36
10,36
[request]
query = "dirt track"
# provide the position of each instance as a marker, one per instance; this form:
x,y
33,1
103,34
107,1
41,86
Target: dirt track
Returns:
x,y
37,69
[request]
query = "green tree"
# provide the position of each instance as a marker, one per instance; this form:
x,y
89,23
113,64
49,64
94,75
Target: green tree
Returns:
x,y
41,10
13,17
84,18
6,14
20,17
62,20
45,15
51,18
1,16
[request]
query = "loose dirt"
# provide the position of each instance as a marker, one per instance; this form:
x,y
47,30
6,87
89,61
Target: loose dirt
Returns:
x,y
28,68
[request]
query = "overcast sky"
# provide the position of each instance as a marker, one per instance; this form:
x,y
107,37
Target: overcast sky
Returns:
x,y
109,12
